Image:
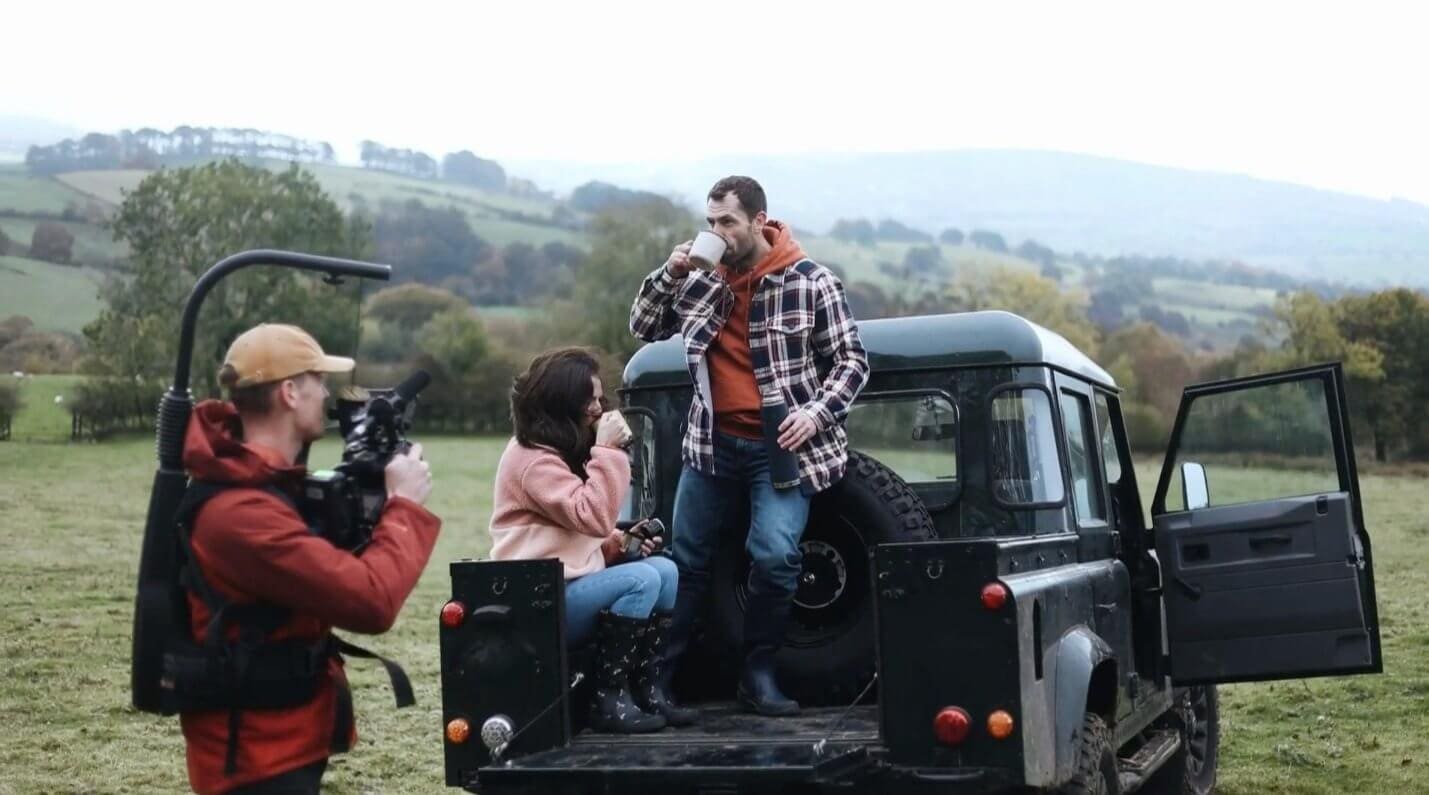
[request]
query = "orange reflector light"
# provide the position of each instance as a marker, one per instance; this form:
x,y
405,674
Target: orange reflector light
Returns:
x,y
951,725
999,725
458,730
453,613
994,595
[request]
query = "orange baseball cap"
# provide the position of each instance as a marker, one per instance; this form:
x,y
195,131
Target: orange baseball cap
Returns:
x,y
274,351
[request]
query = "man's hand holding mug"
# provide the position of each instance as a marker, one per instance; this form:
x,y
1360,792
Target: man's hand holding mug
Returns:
x,y
704,252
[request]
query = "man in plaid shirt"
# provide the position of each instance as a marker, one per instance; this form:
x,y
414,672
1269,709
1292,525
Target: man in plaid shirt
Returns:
x,y
767,319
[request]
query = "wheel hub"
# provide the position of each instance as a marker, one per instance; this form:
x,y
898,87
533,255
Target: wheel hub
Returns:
x,y
822,577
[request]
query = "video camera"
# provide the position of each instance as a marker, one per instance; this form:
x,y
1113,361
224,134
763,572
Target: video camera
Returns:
x,y
345,503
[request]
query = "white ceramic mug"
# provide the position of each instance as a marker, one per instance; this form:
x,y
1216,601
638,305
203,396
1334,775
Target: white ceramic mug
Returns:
x,y
707,250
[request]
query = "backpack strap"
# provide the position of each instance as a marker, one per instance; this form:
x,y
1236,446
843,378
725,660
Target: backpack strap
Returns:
x,y
255,621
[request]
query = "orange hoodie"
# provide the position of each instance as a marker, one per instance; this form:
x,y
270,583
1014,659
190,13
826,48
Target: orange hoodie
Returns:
x,y
253,547
735,393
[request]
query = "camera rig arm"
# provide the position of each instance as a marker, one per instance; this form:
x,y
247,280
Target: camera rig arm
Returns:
x,y
154,616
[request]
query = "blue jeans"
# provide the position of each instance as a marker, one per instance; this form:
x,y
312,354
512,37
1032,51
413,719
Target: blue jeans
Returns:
x,y
632,589
704,505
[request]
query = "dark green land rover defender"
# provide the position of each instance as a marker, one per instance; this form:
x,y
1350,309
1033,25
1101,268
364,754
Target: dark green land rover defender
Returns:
x,y
983,604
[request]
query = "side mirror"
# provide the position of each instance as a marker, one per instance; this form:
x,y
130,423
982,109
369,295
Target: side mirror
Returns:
x,y
1195,492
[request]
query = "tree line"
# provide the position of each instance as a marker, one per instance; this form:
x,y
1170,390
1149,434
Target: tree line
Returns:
x,y
148,148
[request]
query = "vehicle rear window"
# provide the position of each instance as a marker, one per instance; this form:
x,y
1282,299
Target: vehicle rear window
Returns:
x,y
915,435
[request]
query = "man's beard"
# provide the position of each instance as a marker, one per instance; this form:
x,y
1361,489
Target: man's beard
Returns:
x,y
742,262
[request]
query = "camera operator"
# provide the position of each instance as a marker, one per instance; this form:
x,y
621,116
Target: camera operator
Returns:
x,y
254,549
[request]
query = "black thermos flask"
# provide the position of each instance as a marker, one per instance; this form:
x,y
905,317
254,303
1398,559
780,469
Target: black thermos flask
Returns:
x,y
783,464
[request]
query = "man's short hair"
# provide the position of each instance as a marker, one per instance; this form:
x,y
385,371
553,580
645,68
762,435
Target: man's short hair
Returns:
x,y
749,193
256,399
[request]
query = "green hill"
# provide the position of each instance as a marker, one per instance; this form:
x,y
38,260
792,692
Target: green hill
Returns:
x,y
23,193
55,297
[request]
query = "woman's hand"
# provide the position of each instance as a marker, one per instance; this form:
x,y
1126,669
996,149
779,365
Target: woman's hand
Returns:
x,y
612,431
648,546
613,547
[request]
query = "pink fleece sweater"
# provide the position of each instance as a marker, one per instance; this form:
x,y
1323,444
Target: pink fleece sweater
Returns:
x,y
541,509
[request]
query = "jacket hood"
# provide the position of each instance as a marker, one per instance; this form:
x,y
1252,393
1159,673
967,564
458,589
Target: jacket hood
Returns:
x,y
214,451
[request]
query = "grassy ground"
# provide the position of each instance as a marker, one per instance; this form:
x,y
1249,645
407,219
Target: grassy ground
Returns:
x,y
68,561
1333,735
55,297
41,419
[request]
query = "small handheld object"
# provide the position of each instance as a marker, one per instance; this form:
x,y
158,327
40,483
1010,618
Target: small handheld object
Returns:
x,y
639,533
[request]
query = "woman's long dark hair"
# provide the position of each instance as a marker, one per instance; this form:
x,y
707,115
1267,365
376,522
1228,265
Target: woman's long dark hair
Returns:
x,y
549,403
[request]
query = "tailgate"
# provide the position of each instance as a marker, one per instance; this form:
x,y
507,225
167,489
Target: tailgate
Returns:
x,y
727,750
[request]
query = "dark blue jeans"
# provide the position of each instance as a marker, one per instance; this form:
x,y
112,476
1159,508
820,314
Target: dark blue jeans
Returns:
x,y
705,505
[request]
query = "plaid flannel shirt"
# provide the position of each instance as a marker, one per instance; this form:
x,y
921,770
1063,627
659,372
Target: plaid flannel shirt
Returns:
x,y
802,338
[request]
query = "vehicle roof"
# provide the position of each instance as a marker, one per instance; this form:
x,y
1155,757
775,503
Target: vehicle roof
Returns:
x,y
963,339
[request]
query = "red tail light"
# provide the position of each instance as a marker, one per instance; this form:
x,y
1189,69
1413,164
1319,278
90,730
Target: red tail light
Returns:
x,y
994,595
453,613
951,725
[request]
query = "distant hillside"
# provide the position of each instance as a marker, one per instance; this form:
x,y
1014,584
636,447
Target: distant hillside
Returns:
x,y
1205,310
1069,202
55,297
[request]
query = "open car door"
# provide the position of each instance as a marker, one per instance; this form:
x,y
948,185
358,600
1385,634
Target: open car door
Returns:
x,y
1265,562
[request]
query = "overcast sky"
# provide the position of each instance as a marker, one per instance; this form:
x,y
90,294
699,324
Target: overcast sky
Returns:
x,y
1332,99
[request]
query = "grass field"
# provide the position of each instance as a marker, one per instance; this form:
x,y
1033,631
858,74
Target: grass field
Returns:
x,y
501,232
55,297
105,186
68,561
377,185
92,245
1214,296
19,191
861,263
41,419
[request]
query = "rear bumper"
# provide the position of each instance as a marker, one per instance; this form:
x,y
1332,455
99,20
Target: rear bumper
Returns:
x,y
726,770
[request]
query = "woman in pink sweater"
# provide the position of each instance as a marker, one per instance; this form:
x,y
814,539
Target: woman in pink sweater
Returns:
x,y
559,488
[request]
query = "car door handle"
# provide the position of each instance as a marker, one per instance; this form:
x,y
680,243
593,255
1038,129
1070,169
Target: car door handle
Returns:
x,y
1271,540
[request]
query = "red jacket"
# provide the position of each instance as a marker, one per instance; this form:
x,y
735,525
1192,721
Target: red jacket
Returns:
x,y
251,546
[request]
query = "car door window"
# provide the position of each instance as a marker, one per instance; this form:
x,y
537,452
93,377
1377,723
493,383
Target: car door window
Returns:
x,y
1111,455
1263,443
1024,469
1087,497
